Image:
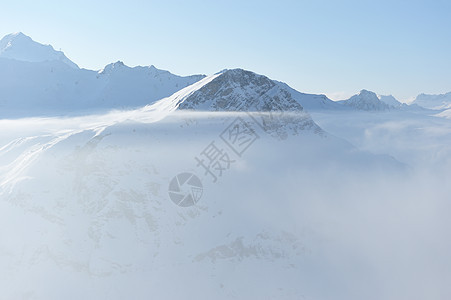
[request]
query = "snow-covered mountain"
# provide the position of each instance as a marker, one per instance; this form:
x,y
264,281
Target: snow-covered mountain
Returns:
x,y
365,100
125,87
394,104
312,102
18,46
244,91
36,80
390,100
441,101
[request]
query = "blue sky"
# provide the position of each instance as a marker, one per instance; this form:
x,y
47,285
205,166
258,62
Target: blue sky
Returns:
x,y
333,47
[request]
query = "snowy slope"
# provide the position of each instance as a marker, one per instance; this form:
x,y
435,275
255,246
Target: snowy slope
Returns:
x,y
138,86
445,114
18,46
442,101
390,100
312,102
53,88
33,88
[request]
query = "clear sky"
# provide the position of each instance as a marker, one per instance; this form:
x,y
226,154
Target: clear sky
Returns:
x,y
322,46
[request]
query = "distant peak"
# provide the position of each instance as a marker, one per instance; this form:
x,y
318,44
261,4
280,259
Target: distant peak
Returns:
x,y
20,35
366,100
234,72
366,92
12,38
17,35
19,46
222,71
238,73
367,95
240,77
108,69
117,64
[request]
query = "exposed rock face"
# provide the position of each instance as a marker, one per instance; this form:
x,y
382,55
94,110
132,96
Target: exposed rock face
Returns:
x,y
242,91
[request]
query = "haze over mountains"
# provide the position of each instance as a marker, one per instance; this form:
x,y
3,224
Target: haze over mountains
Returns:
x,y
301,197
442,101
38,80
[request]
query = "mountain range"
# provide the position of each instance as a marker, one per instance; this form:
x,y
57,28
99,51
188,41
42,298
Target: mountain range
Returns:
x,y
38,80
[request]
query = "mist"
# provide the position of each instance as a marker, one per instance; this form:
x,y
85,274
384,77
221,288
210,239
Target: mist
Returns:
x,y
310,216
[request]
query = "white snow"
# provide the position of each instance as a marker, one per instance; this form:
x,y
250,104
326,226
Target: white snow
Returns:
x,y
390,100
366,100
445,114
312,102
441,101
53,88
21,47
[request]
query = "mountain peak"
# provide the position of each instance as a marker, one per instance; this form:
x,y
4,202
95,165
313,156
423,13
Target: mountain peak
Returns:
x,y
108,69
12,39
16,36
239,90
366,100
234,90
239,74
367,93
19,46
